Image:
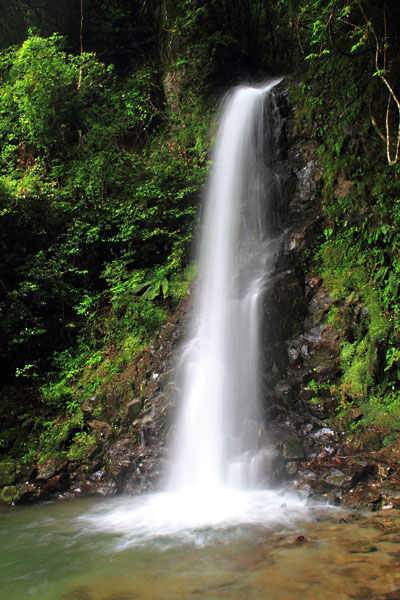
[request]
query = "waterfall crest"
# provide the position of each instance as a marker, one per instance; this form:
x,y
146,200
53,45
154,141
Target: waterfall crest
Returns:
x,y
220,423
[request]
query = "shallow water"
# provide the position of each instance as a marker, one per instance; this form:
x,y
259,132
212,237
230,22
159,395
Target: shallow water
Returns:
x,y
56,552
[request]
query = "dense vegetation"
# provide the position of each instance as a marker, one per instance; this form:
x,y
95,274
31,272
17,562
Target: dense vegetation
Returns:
x,y
105,112
349,106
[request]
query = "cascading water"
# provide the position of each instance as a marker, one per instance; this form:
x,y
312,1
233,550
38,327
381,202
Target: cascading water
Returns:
x,y
220,424
216,473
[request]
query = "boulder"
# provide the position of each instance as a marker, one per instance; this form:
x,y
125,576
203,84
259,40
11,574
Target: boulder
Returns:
x,y
337,478
363,496
23,492
50,466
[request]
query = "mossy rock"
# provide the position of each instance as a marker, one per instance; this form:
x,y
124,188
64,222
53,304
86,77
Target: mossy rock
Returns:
x,y
17,493
293,450
83,448
9,494
7,473
51,464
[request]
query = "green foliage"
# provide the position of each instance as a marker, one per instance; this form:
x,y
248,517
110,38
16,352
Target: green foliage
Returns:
x,y
99,184
83,444
358,254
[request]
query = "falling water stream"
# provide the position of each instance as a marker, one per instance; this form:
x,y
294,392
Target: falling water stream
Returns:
x,y
217,530
220,423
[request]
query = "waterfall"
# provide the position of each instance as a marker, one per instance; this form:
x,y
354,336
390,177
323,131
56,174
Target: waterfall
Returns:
x,y
217,463
220,423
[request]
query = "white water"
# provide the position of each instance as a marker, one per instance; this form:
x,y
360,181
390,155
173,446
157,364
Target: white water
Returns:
x,y
220,426
218,463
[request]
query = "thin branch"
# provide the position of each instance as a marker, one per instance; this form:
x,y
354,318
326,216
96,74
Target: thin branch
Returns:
x,y
81,44
390,161
375,124
382,75
384,36
298,34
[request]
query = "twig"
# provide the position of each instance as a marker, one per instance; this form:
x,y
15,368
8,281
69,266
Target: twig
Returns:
x,y
81,44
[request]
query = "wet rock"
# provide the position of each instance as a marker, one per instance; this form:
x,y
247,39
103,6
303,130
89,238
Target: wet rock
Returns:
x,y
307,428
324,339
284,313
363,496
304,489
97,476
270,464
100,485
50,466
23,492
301,539
383,471
283,390
133,408
323,433
120,461
390,494
349,518
337,478
316,488
292,468
57,483
308,476
362,471
317,308
293,450
333,497
26,473
105,488
101,430
308,178
7,473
